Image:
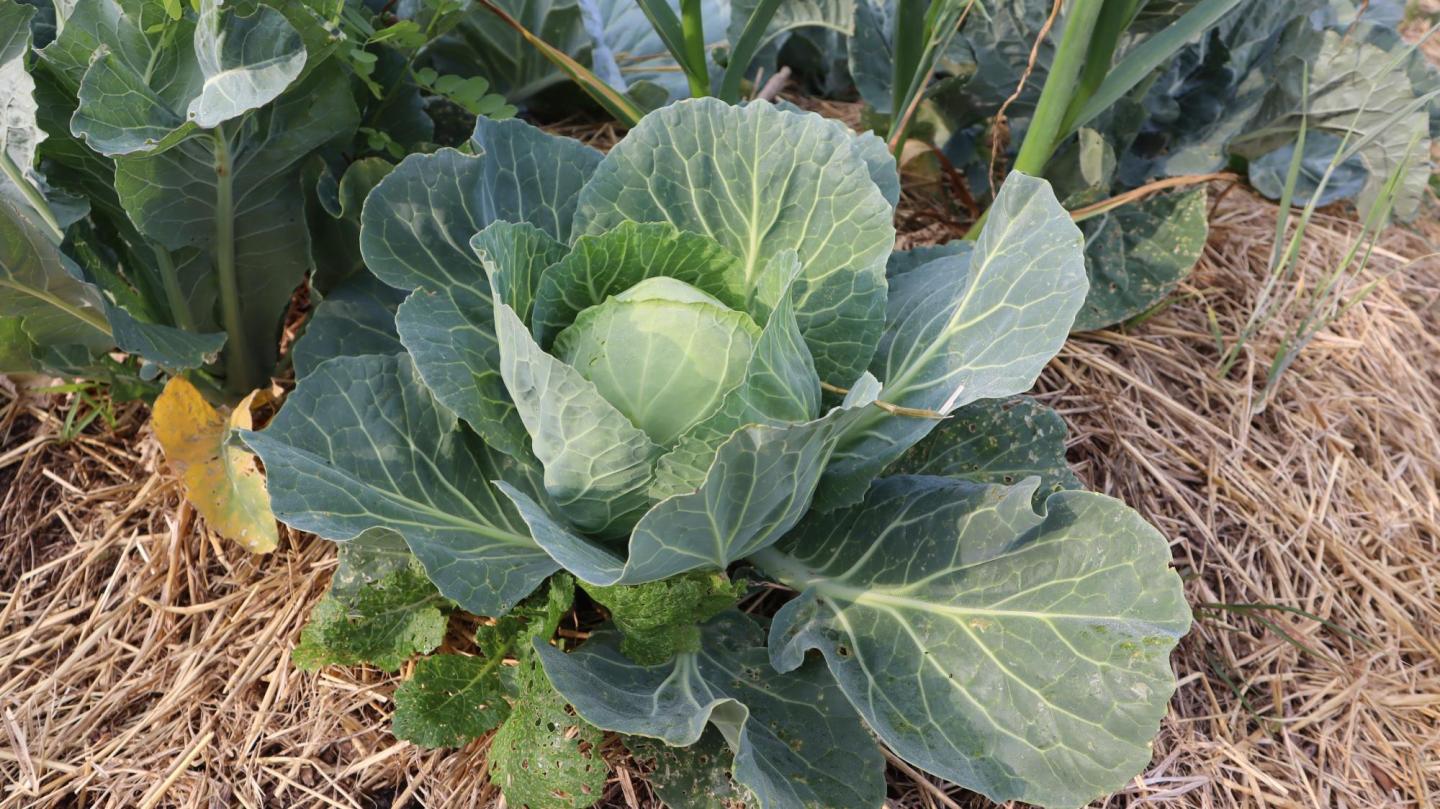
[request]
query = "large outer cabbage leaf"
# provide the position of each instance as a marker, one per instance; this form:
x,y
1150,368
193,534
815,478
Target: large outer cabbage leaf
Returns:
x,y
1211,91
362,445
968,326
482,44
333,211
796,742
870,54
36,345
182,200
616,40
1018,654
147,88
1000,41
760,181
1240,90
356,318
1358,90
1138,253
628,51
20,135
790,15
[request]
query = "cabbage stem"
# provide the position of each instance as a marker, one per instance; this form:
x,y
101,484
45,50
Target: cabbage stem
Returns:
x,y
909,49
240,376
893,409
1114,20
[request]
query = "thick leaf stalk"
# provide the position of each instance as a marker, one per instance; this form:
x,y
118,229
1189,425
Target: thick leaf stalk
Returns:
x,y
241,374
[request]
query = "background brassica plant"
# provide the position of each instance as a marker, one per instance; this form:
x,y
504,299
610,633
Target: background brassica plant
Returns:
x,y
695,355
186,136
174,172
181,181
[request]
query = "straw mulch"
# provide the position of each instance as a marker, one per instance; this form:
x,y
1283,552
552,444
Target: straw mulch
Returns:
x,y
145,663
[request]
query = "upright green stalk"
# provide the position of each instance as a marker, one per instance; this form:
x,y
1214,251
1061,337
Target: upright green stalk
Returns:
x,y
934,26
692,24
1114,20
240,376
1045,130
1043,134
909,45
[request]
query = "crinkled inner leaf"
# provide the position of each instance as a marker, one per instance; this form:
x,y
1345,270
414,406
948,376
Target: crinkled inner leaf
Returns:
x,y
759,181
450,700
41,294
609,263
760,484
382,623
543,757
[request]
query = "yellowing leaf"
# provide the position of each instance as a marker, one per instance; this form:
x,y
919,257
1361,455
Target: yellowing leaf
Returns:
x,y
222,482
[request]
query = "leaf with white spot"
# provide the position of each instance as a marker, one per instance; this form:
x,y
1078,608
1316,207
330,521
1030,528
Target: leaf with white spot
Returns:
x,y
995,441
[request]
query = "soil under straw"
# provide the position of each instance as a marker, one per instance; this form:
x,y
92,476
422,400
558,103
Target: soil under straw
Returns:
x,y
144,662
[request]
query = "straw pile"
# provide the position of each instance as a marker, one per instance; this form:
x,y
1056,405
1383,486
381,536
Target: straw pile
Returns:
x,y
145,663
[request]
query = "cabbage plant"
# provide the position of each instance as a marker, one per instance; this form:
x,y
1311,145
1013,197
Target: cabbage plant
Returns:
x,y
693,358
